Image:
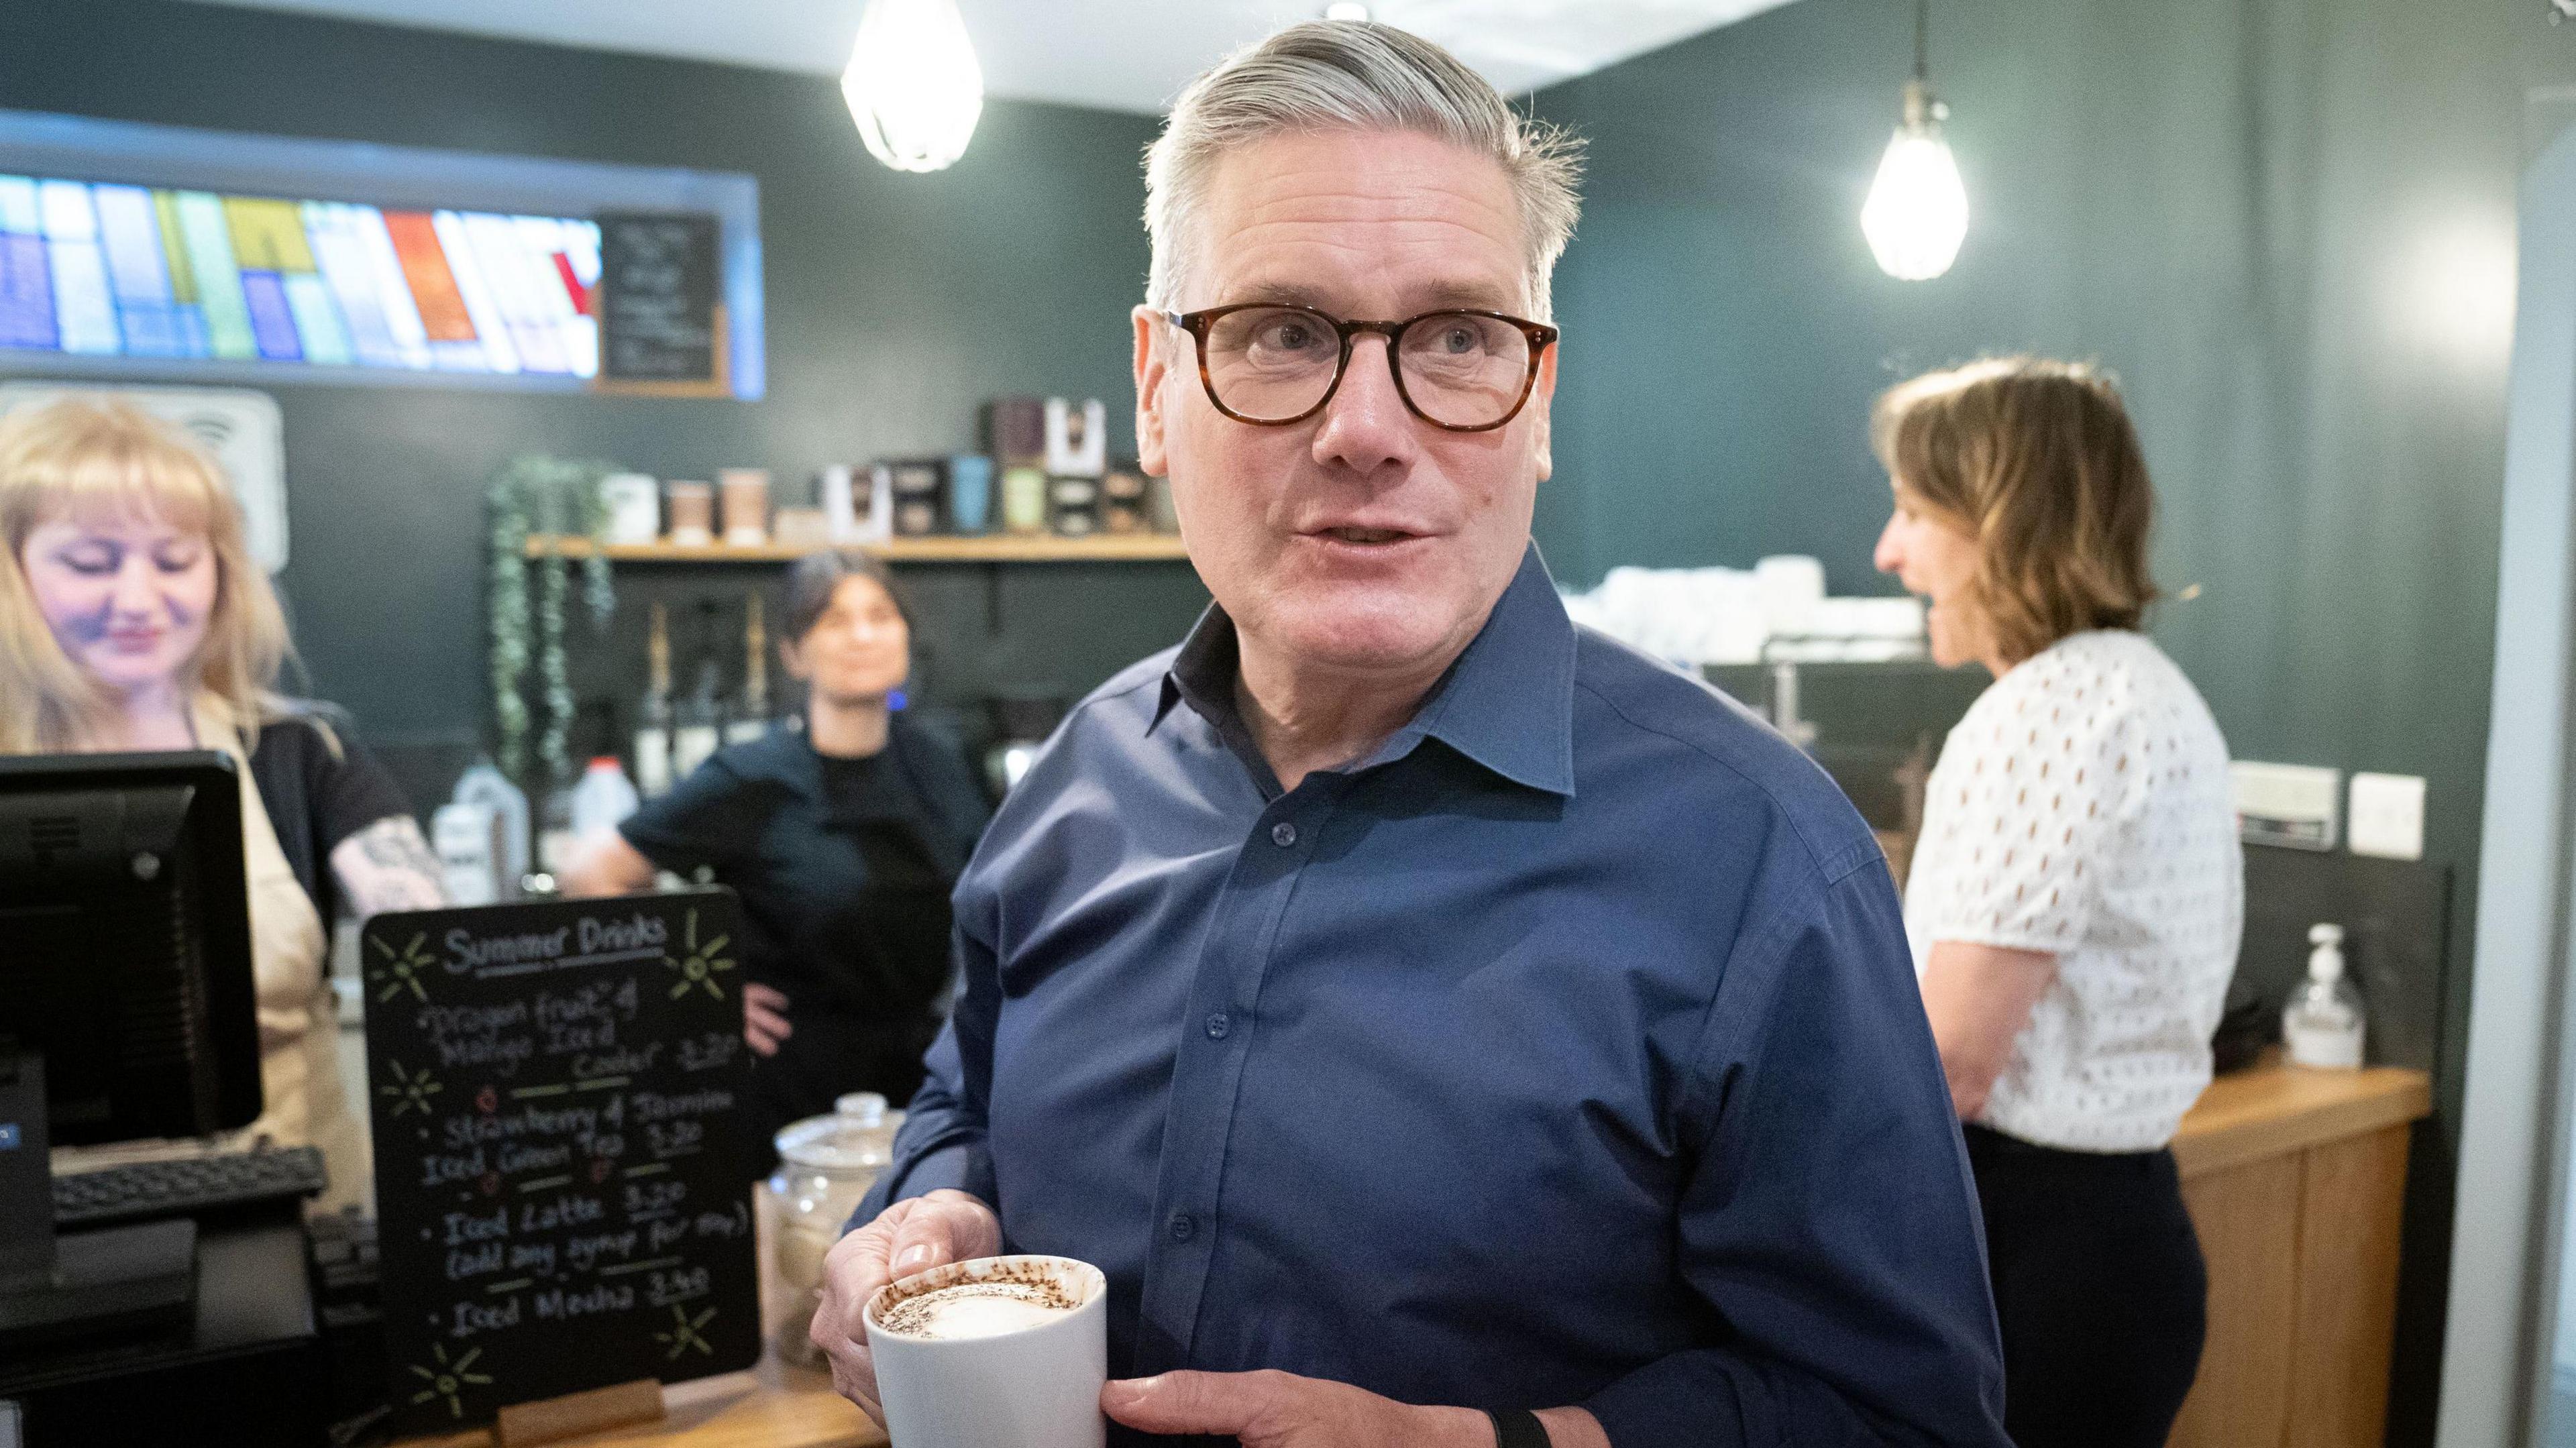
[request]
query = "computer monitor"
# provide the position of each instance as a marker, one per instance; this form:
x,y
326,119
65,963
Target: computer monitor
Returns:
x,y
127,1007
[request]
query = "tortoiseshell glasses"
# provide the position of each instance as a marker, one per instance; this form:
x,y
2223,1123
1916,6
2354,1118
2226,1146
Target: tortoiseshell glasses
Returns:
x,y
1271,363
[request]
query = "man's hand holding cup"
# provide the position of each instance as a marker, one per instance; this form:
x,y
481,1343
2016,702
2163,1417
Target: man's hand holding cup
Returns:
x,y
910,1236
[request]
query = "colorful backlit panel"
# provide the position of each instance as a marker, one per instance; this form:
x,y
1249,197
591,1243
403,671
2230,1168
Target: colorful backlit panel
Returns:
x,y
129,271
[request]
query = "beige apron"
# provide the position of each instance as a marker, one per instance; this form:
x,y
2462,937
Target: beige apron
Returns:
x,y
299,1020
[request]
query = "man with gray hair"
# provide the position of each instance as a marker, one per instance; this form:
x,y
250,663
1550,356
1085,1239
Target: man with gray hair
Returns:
x,y
1441,1024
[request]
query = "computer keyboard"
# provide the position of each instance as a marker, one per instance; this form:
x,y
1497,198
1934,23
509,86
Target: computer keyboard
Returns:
x,y
188,1187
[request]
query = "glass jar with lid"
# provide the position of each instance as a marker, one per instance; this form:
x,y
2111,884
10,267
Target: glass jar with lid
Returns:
x,y
825,1165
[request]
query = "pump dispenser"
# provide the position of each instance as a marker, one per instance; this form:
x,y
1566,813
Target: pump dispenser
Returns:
x,y
2323,1024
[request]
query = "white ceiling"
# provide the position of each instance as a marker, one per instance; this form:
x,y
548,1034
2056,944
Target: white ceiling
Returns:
x,y
1131,55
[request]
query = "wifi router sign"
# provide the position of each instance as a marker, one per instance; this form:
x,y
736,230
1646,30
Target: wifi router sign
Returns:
x,y
240,427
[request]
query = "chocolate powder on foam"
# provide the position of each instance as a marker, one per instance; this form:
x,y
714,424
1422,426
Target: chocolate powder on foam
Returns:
x,y
912,1315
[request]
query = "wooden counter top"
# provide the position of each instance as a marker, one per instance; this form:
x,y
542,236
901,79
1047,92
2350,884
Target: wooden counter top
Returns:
x,y
773,1406
2272,1109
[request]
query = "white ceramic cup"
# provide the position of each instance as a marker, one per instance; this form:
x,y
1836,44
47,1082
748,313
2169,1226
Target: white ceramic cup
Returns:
x,y
1035,1388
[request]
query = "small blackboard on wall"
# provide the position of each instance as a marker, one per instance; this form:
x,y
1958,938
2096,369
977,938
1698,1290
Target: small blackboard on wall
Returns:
x,y
661,325
563,1203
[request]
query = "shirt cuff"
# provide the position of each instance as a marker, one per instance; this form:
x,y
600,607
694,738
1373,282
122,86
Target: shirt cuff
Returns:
x,y
1685,1398
2042,939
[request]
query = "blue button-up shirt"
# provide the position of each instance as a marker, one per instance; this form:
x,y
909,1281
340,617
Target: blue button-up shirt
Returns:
x,y
1566,1049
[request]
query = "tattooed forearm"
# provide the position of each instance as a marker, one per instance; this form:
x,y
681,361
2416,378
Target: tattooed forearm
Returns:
x,y
387,866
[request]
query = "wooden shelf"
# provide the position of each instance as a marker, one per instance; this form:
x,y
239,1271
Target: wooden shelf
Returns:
x,y
1007,548
989,548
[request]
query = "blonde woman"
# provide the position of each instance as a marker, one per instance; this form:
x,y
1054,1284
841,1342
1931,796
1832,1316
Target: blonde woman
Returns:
x,y
2077,891
131,618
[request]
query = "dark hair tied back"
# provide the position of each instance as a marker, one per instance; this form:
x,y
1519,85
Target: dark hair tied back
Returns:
x,y
816,577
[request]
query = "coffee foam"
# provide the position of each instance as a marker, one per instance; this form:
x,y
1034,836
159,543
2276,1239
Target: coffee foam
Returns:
x,y
985,1298
978,1309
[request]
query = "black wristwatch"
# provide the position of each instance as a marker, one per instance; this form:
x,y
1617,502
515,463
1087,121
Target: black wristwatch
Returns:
x,y
1517,1428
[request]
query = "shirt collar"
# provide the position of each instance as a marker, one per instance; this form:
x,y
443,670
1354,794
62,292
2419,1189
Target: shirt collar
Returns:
x,y
1202,674
1507,703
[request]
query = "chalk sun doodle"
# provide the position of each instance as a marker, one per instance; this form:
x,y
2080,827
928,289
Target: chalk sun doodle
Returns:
x,y
684,1333
409,1090
402,972
448,1383
699,968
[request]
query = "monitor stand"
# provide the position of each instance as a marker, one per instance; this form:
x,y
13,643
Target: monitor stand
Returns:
x,y
131,1278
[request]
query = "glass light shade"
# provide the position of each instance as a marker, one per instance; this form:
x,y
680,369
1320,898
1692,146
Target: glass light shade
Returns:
x,y
1917,212
913,84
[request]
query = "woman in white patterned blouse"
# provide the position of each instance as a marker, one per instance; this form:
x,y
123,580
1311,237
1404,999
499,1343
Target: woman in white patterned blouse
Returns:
x,y
2077,891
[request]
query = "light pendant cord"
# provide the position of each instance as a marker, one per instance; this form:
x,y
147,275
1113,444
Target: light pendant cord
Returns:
x,y
1917,211
1920,108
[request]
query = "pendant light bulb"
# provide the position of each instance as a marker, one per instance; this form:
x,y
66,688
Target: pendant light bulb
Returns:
x,y
1917,212
913,85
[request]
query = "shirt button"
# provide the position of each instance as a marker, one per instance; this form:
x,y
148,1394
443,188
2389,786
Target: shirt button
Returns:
x,y
1218,1025
1183,1227
1283,834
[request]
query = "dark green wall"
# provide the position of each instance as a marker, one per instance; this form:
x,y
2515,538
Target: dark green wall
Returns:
x,y
2287,225
2271,217
896,305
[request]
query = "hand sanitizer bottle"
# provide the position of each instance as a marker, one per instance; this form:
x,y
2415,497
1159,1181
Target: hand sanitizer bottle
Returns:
x,y
2323,1023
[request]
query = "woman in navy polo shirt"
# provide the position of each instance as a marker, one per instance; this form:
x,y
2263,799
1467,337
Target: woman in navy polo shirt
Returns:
x,y
843,842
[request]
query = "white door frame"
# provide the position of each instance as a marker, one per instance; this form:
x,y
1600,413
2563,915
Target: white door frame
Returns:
x,y
2513,1163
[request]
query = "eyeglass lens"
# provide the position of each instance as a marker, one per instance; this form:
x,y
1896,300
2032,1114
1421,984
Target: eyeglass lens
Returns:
x,y
1275,363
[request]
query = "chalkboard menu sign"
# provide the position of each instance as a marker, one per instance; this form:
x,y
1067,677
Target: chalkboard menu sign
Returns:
x,y
562,1201
657,297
